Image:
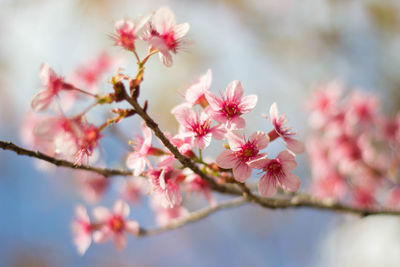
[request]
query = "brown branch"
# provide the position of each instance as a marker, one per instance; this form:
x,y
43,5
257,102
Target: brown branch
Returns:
x,y
60,162
193,217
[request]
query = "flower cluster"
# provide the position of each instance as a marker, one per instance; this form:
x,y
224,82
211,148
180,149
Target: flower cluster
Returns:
x,y
354,152
203,117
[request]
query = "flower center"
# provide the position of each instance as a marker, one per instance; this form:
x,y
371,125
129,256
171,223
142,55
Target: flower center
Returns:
x,y
230,109
201,129
274,169
248,151
116,223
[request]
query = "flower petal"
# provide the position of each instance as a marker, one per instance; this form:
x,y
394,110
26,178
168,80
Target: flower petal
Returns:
x,y
132,227
241,172
121,208
235,141
234,90
101,214
267,186
248,103
290,182
294,145
119,241
273,112
226,159
260,139
259,163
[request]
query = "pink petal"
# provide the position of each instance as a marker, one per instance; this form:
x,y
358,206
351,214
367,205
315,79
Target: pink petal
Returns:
x,y
163,20
101,235
235,141
101,214
184,115
259,163
226,159
81,214
234,90
267,186
82,243
159,44
139,25
248,103
146,134
260,139
132,227
119,241
121,208
213,100
166,58
181,30
236,123
290,183
294,145
203,141
41,100
273,112
241,172
287,160
218,132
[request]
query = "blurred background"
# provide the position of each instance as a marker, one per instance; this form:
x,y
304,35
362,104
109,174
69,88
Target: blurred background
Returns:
x,y
279,50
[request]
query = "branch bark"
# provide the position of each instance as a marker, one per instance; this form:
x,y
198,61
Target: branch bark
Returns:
x,y
60,162
193,217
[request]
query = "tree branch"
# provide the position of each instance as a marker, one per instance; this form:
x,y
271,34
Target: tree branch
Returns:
x,y
60,162
193,217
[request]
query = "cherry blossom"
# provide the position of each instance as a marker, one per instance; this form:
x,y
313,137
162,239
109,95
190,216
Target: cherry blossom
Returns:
x,y
53,84
196,92
165,186
277,172
165,215
198,127
138,159
82,230
285,133
127,33
164,35
114,224
229,108
241,152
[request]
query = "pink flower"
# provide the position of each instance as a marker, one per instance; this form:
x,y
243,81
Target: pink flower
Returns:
x,y
165,35
194,183
114,224
362,109
241,152
277,172
127,33
133,188
165,186
138,160
53,84
93,186
196,92
87,142
284,132
324,103
198,127
231,106
81,229
90,74
165,215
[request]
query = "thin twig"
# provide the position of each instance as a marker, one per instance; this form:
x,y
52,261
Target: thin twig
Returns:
x,y
193,217
60,162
